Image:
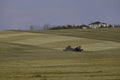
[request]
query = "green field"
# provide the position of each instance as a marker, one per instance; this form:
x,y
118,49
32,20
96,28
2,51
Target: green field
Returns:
x,y
39,55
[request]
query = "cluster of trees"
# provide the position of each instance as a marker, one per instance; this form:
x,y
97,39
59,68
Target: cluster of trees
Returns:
x,y
49,27
38,27
79,27
114,26
117,26
68,27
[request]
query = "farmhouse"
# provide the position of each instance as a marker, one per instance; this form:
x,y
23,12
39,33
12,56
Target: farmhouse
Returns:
x,y
97,25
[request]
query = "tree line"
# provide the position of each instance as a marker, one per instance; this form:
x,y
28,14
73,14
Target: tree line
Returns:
x,y
68,27
49,27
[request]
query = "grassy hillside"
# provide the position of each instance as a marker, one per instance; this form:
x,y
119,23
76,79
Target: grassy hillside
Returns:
x,y
100,34
39,55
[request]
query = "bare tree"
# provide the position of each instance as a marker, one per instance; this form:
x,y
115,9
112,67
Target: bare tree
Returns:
x,y
31,27
46,26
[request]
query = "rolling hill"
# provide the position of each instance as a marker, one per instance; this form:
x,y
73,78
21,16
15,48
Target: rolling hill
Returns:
x,y
39,55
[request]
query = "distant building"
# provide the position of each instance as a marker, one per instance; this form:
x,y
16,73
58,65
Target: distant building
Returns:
x,y
97,25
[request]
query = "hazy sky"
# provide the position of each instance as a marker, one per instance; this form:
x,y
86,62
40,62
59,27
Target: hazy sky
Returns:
x,y
20,14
